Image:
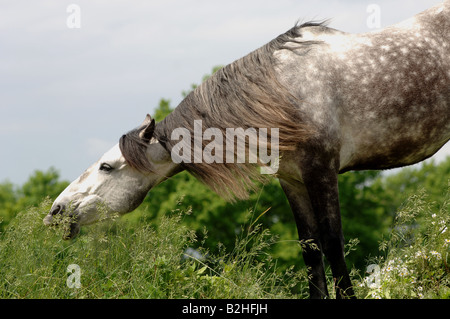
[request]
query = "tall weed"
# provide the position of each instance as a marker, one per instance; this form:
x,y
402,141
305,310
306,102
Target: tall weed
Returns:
x,y
414,261
119,260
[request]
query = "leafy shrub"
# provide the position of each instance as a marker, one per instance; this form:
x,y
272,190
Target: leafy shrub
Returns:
x,y
415,261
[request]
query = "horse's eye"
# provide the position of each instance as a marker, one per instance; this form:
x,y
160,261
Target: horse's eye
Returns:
x,y
105,167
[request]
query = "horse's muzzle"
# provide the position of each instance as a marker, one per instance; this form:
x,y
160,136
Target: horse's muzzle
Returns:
x,y
56,217
49,220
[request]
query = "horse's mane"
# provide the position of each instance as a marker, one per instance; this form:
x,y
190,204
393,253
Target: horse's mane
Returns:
x,y
244,94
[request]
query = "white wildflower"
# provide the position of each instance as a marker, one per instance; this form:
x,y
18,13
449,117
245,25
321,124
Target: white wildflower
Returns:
x,y
435,254
446,242
421,254
403,272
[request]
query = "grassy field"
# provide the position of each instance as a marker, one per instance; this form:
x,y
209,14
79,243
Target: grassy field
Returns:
x,y
122,259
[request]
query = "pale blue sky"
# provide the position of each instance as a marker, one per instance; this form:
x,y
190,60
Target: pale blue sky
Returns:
x,y
67,95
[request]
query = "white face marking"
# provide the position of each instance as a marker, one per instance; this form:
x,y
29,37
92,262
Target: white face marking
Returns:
x,y
106,182
111,186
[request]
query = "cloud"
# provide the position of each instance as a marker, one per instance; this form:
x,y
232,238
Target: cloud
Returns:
x,y
96,147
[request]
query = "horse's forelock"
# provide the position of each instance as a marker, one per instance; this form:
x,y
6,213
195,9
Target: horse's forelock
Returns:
x,y
134,151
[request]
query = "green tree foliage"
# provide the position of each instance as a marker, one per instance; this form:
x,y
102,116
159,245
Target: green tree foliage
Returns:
x,y
409,181
163,110
39,186
364,212
8,200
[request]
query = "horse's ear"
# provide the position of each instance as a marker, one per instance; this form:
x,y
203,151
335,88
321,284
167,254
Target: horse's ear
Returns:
x,y
148,127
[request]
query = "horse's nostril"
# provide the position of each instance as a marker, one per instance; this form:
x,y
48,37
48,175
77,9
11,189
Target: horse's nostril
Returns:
x,y
57,210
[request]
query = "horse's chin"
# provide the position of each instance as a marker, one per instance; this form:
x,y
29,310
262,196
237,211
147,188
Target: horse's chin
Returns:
x,y
73,229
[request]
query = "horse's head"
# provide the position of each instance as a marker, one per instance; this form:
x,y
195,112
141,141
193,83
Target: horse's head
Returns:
x,y
113,184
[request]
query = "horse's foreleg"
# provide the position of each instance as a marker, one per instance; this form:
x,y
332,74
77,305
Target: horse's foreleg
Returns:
x,y
322,184
308,231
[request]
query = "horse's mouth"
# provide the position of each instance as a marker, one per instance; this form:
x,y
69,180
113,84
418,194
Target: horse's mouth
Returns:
x,y
72,231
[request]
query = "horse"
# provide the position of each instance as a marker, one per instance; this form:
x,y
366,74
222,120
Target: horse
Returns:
x,y
338,101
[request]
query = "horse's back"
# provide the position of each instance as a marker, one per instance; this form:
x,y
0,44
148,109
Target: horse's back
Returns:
x,y
395,99
384,95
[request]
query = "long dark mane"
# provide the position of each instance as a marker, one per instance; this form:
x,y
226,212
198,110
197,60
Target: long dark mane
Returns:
x,y
244,94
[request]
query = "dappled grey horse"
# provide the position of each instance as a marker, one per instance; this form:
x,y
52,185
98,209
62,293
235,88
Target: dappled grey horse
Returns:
x,y
338,102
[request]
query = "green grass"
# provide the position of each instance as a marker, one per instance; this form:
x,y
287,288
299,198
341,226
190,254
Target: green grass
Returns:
x,y
123,259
